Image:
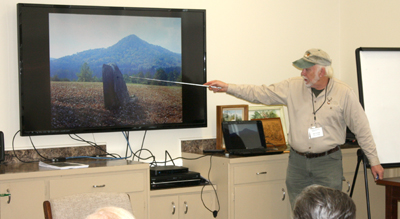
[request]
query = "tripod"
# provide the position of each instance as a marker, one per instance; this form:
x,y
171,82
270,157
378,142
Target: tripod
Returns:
x,y
361,157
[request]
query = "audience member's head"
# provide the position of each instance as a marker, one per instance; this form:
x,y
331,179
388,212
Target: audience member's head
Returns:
x,y
319,202
111,213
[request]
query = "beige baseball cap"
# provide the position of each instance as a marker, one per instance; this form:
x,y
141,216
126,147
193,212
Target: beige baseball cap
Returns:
x,y
313,57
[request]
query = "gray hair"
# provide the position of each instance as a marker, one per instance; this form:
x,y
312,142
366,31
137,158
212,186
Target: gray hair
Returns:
x,y
328,70
111,212
320,202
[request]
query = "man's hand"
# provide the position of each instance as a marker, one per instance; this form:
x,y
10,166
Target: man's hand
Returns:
x,y
377,172
217,86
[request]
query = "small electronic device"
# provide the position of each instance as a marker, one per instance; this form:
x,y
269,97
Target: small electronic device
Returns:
x,y
1,146
175,180
213,151
167,170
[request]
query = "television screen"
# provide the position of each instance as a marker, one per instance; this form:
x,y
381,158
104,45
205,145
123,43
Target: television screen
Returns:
x,y
89,69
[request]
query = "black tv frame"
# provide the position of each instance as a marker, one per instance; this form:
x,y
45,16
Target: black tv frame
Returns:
x,y
31,55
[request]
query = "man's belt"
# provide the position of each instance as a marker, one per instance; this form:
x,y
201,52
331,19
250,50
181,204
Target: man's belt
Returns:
x,y
314,155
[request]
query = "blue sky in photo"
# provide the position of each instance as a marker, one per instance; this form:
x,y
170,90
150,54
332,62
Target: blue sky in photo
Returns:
x,y
73,33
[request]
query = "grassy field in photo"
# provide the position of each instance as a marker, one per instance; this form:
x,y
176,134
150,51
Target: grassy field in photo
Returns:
x,y
81,104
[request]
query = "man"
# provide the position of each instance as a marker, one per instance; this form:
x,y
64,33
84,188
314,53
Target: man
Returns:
x,y
322,202
319,107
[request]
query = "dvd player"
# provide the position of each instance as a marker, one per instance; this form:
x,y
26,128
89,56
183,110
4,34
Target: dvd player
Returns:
x,y
175,180
167,170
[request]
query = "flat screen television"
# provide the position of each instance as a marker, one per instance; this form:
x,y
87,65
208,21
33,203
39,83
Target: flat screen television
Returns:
x,y
87,69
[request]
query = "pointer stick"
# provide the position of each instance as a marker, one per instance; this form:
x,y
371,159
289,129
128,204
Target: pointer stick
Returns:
x,y
177,82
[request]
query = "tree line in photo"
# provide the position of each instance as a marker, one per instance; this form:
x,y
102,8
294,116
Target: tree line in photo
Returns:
x,y
169,74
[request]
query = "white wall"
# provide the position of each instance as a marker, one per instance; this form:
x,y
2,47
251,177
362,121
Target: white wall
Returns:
x,y
366,23
251,41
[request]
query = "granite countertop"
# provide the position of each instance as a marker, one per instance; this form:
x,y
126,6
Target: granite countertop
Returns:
x,y
196,149
34,166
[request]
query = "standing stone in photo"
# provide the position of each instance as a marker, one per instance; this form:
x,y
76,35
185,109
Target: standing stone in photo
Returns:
x,y
114,87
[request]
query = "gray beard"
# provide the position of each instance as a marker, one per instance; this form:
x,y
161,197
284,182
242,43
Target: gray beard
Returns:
x,y
311,83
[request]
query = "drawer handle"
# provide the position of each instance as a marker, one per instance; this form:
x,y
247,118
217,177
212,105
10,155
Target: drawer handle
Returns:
x,y
283,194
259,173
173,208
8,194
187,207
99,186
348,186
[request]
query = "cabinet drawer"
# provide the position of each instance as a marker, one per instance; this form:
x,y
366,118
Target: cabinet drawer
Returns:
x,y
122,182
259,172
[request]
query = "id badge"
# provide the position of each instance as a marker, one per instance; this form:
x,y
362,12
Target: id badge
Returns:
x,y
315,132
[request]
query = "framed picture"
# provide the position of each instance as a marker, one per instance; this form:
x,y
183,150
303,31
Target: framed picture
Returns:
x,y
263,112
273,132
229,113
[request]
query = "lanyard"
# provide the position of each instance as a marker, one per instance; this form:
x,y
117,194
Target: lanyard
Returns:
x,y
315,111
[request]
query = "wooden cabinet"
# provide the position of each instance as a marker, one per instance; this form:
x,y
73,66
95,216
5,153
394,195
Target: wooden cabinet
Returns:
x,y
247,185
261,200
30,185
182,203
112,182
26,200
256,185
259,190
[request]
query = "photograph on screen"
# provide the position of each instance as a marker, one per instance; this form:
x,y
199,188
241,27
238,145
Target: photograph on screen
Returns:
x,y
108,70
